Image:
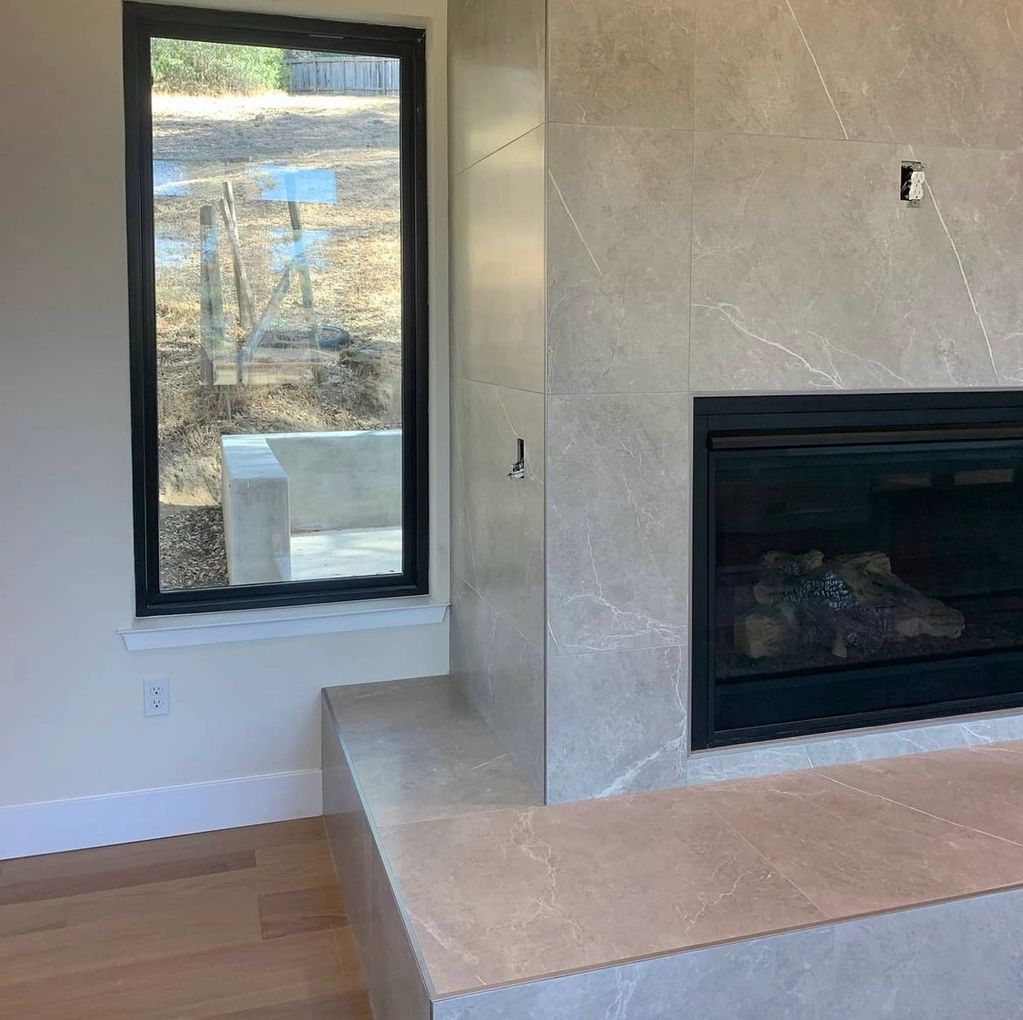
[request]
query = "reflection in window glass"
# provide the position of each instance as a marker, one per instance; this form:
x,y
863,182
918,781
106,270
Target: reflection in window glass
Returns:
x,y
277,249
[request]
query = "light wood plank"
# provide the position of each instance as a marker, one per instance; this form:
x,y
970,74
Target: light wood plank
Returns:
x,y
102,881
157,851
289,913
123,933
197,985
189,926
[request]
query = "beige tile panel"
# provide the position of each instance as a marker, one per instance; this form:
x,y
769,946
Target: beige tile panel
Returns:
x,y
810,273
936,72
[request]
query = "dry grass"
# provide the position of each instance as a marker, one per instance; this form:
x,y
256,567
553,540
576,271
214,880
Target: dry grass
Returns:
x,y
199,142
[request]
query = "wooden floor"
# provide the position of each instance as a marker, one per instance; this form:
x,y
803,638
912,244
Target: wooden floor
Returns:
x,y
244,924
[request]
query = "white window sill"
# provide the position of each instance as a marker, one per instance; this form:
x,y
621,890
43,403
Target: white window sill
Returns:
x,y
261,624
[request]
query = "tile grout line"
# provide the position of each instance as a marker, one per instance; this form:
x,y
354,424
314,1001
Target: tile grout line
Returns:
x,y
920,811
500,148
770,863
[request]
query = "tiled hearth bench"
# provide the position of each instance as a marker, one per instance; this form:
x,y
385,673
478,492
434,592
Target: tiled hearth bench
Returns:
x,y
888,888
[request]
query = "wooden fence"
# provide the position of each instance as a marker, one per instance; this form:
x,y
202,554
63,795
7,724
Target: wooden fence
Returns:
x,y
343,74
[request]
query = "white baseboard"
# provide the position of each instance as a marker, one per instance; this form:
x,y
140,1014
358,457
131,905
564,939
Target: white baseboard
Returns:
x,y
56,825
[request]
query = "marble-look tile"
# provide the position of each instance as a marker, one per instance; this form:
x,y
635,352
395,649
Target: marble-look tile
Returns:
x,y
348,831
852,852
887,743
629,65
502,674
981,206
929,71
850,746
462,560
809,272
617,722
497,267
496,73
991,729
785,976
957,959
746,763
617,542
893,742
424,753
754,73
618,211
519,894
392,965
505,514
976,788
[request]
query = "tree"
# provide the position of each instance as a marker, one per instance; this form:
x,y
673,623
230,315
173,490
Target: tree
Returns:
x,y
206,68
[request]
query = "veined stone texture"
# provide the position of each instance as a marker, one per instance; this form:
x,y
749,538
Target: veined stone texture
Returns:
x,y
497,113
496,75
715,209
617,492
809,272
619,722
618,259
956,959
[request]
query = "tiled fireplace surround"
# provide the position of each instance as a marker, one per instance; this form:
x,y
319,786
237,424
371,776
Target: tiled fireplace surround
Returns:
x,y
653,199
665,197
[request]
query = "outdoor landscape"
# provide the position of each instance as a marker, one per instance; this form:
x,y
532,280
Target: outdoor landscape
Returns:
x,y
222,114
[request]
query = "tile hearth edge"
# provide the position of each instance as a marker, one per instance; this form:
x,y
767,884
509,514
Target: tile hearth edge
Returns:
x,y
435,937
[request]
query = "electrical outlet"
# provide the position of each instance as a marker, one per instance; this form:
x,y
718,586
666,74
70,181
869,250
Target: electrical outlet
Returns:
x,y
911,188
156,696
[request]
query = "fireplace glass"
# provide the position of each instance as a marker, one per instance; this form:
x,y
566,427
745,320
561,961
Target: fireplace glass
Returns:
x,y
857,554
857,575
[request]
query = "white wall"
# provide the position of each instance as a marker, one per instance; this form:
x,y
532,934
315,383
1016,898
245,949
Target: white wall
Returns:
x,y
70,694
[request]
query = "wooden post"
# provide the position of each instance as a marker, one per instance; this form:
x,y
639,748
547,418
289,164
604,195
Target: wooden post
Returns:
x,y
302,262
255,337
217,361
246,305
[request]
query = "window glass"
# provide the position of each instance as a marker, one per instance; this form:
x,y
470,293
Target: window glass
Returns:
x,y
277,258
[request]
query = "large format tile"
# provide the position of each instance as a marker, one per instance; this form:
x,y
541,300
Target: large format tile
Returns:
x,y
618,212
519,894
497,267
852,852
463,565
603,908
629,65
928,71
503,676
754,73
809,272
745,763
496,73
981,206
948,960
505,514
390,959
617,494
424,753
978,788
617,722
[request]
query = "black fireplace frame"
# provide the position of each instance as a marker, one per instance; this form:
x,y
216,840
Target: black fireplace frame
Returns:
x,y
779,420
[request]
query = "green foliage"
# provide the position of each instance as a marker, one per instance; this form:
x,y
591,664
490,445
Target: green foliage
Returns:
x,y
206,68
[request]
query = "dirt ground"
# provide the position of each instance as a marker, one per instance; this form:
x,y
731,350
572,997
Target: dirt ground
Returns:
x,y
344,150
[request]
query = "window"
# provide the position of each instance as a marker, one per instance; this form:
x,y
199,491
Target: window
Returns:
x,y
277,277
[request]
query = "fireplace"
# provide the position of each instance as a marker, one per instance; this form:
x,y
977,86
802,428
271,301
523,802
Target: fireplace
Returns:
x,y
857,561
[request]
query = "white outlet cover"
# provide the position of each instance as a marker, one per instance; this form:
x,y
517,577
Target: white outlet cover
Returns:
x,y
155,697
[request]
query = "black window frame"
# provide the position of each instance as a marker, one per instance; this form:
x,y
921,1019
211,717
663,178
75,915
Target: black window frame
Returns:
x,y
141,23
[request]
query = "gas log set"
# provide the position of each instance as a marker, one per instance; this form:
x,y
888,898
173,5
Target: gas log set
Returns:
x,y
849,602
